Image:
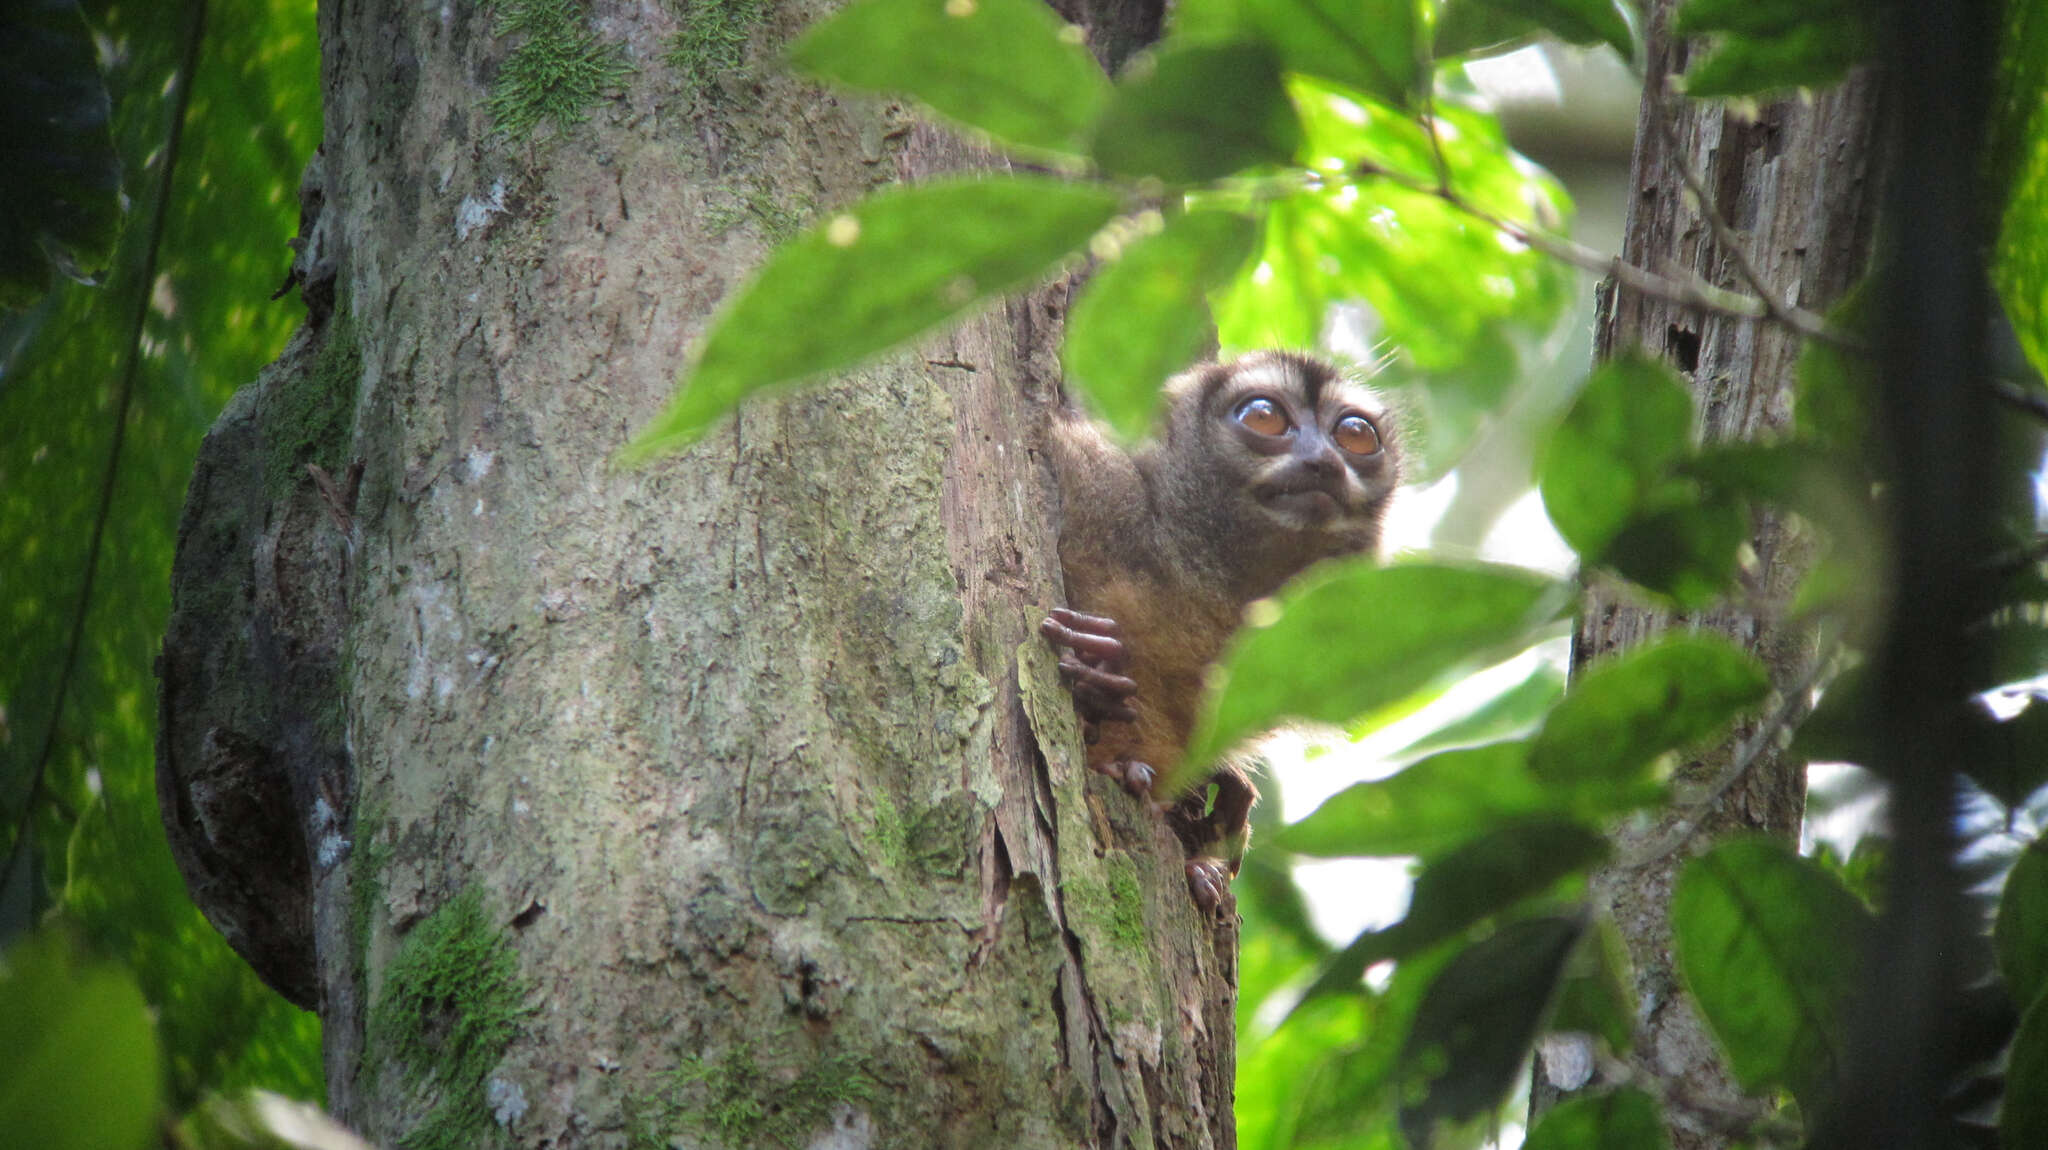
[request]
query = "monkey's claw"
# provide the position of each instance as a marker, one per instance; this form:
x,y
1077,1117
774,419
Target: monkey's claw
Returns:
x,y
1208,878
1094,670
1137,778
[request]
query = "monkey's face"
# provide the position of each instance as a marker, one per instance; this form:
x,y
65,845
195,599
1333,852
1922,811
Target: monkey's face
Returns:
x,y
1313,451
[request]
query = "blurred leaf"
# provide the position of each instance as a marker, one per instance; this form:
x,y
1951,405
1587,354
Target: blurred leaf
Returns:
x,y
1469,24
1330,655
1596,996
1475,1025
1444,286
79,1067
1769,944
1011,68
1481,28
1195,113
60,189
2019,265
1373,46
1349,1098
1631,423
1624,1119
261,1120
194,291
899,262
1433,805
1764,46
1626,711
1145,315
2023,1115
1427,808
2021,932
1686,551
1513,714
2018,119
2015,755
1481,878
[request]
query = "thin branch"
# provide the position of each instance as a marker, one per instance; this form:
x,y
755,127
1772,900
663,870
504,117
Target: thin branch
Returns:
x,y
1692,291
1765,736
1723,233
68,669
2021,398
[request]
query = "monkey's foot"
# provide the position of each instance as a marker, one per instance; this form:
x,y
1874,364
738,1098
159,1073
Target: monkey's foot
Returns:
x,y
1208,878
1137,778
1094,670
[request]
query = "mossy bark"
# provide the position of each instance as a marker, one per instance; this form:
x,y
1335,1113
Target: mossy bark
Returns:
x,y
1796,181
749,760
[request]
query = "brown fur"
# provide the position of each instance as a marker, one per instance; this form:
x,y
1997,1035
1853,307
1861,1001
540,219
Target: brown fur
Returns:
x,y
1173,540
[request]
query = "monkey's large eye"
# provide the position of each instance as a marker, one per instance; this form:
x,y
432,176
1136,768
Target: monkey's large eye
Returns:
x,y
1357,435
1261,415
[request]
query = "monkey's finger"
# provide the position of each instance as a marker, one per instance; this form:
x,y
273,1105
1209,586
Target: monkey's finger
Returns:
x,y
1098,707
1106,649
1093,624
1206,882
1114,686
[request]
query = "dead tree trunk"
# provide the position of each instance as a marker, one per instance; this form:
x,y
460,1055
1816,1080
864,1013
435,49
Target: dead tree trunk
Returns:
x,y
1797,186
731,801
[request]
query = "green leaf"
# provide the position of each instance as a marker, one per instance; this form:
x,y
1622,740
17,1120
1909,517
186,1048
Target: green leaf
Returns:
x,y
2019,267
1466,25
1513,714
1335,650
1448,293
1625,712
60,189
1371,45
79,1066
1427,808
2023,1115
1769,943
1145,315
1686,551
1478,880
1596,997
1624,1119
1196,113
2021,932
1763,46
1011,68
1631,423
892,266
1476,1022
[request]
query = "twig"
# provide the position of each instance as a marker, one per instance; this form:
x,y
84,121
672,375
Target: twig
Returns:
x,y
1693,291
2025,399
1723,233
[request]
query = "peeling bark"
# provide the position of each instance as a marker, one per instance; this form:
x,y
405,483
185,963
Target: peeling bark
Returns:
x,y
752,757
1798,184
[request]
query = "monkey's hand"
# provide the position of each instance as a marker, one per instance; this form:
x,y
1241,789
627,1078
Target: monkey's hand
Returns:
x,y
1094,670
1094,673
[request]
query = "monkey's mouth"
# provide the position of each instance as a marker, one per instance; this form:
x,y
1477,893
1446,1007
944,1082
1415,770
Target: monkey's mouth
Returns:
x,y
1302,504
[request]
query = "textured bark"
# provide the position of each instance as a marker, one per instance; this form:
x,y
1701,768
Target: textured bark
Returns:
x,y
1798,185
751,759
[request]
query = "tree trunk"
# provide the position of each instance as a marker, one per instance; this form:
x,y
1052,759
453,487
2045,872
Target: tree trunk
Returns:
x,y
728,802
1798,185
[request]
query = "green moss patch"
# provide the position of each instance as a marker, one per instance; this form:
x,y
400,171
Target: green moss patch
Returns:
x,y
556,72
307,415
733,1100
713,39
450,1005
